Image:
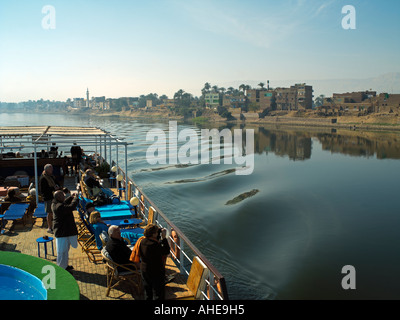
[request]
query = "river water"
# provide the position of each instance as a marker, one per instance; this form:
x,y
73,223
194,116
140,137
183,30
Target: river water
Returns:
x,y
317,200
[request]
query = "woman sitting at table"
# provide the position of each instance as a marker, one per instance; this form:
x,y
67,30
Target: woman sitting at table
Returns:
x,y
98,226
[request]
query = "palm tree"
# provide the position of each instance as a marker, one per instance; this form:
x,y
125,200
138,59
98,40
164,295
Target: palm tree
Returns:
x,y
215,89
242,87
319,101
207,87
178,95
261,84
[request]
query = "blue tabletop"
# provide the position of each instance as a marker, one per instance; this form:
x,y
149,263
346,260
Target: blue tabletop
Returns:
x,y
116,215
113,207
120,222
41,240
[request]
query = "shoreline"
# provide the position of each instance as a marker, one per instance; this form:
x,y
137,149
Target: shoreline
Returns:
x,y
343,122
368,123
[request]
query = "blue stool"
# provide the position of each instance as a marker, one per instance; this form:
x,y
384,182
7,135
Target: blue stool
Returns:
x,y
45,241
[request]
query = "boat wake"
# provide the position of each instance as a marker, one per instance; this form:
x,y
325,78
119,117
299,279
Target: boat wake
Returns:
x,y
242,197
206,178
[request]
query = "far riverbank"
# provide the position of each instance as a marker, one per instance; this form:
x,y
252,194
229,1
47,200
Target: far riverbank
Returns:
x,y
371,122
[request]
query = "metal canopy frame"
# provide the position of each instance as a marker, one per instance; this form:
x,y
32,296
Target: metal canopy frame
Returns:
x,y
18,138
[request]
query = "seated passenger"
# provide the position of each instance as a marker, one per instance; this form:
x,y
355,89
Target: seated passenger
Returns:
x,y
93,184
91,179
31,198
117,248
13,196
90,207
98,226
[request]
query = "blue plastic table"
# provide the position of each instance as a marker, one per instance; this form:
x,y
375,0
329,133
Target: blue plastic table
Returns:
x,y
45,241
116,215
122,223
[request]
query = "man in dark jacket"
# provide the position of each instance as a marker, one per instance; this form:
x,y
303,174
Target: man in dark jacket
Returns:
x,y
64,226
47,186
117,248
153,248
76,153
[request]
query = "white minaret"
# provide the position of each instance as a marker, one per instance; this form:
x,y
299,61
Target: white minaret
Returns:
x,y
87,98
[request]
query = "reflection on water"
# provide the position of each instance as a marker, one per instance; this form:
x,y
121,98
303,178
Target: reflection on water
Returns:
x,y
317,200
366,145
297,144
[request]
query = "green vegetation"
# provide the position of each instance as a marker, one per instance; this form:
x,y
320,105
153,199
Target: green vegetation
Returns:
x,y
200,120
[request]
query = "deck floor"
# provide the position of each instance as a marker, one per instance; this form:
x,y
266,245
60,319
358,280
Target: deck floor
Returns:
x,y
91,277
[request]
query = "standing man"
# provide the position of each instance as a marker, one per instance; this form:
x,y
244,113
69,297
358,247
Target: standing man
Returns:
x,y
76,153
153,248
47,186
65,229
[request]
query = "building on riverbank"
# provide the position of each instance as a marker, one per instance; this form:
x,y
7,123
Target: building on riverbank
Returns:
x,y
353,97
212,100
360,103
262,99
297,97
386,102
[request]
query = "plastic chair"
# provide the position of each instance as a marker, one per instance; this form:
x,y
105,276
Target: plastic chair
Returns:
x,y
87,239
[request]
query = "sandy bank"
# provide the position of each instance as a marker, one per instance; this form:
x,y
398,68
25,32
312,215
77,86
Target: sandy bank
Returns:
x,y
369,122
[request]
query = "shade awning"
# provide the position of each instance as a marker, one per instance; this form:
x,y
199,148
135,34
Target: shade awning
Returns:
x,y
50,130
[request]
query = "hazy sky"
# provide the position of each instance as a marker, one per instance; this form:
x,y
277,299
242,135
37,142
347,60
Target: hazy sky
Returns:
x,y
127,48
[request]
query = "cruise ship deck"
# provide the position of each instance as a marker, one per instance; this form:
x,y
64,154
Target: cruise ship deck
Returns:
x,y
23,149
91,277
